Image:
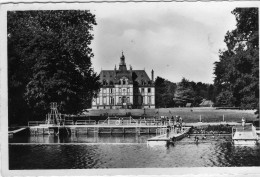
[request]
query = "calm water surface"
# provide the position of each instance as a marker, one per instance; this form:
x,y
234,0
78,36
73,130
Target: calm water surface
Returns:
x,y
125,151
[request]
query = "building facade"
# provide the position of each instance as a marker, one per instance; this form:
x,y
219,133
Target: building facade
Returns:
x,y
125,89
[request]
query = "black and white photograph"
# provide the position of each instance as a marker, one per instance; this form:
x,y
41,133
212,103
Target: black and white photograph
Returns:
x,y
133,87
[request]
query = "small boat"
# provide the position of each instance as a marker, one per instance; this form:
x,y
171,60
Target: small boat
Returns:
x,y
244,135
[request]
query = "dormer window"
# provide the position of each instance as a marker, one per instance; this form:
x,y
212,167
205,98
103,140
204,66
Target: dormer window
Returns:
x,y
111,83
104,82
143,82
124,82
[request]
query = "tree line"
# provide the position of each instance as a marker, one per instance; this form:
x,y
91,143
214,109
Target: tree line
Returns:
x,y
237,71
49,60
169,94
236,82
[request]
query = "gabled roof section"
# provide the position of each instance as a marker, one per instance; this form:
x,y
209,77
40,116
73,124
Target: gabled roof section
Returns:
x,y
108,76
124,73
140,76
136,77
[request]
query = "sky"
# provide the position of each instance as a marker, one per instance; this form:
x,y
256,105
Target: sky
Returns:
x,y
175,39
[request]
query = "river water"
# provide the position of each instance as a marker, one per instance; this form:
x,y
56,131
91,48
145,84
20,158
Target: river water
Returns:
x,y
126,151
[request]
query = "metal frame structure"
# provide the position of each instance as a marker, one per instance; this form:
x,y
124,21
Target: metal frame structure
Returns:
x,y
54,117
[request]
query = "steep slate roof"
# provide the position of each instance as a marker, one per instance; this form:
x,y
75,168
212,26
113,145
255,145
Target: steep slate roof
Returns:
x,y
132,75
136,77
108,75
125,73
141,75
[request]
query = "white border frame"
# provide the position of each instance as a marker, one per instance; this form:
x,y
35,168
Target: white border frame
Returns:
x,y
57,4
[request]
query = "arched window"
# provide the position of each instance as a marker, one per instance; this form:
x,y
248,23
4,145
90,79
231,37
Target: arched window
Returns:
x,y
123,81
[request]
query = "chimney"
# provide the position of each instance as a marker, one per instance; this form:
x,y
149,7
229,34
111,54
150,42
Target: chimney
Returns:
x,y
152,75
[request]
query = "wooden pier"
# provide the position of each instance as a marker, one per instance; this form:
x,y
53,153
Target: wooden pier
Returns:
x,y
98,128
165,137
245,135
111,125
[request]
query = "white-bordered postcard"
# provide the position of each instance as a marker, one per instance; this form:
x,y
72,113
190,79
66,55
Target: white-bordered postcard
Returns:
x,y
130,88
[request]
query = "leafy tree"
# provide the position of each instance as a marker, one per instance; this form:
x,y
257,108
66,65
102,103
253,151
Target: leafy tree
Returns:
x,y
49,60
211,93
169,94
237,72
164,92
184,92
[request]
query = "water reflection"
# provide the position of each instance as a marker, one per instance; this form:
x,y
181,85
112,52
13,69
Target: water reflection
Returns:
x,y
83,138
126,151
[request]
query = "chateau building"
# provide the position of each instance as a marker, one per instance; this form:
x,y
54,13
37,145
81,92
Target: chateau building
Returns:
x,y
123,88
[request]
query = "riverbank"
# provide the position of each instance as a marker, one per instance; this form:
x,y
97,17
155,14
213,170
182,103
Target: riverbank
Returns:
x,y
189,115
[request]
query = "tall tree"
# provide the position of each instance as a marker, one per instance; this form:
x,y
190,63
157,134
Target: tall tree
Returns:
x,y
237,72
164,92
184,92
49,60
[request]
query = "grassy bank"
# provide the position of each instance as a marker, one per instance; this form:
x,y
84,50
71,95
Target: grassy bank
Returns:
x,y
188,114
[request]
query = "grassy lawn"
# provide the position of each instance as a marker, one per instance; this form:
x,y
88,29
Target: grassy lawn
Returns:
x,y
188,114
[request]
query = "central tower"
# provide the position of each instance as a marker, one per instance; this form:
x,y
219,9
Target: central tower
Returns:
x,y
122,65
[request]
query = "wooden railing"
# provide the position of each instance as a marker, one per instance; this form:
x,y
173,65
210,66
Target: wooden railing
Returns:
x,y
35,123
69,122
119,121
161,131
85,122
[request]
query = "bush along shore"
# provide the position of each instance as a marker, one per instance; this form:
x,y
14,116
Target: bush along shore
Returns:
x,y
211,130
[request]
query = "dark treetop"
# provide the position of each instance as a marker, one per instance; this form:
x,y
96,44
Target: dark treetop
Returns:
x,y
237,72
49,60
